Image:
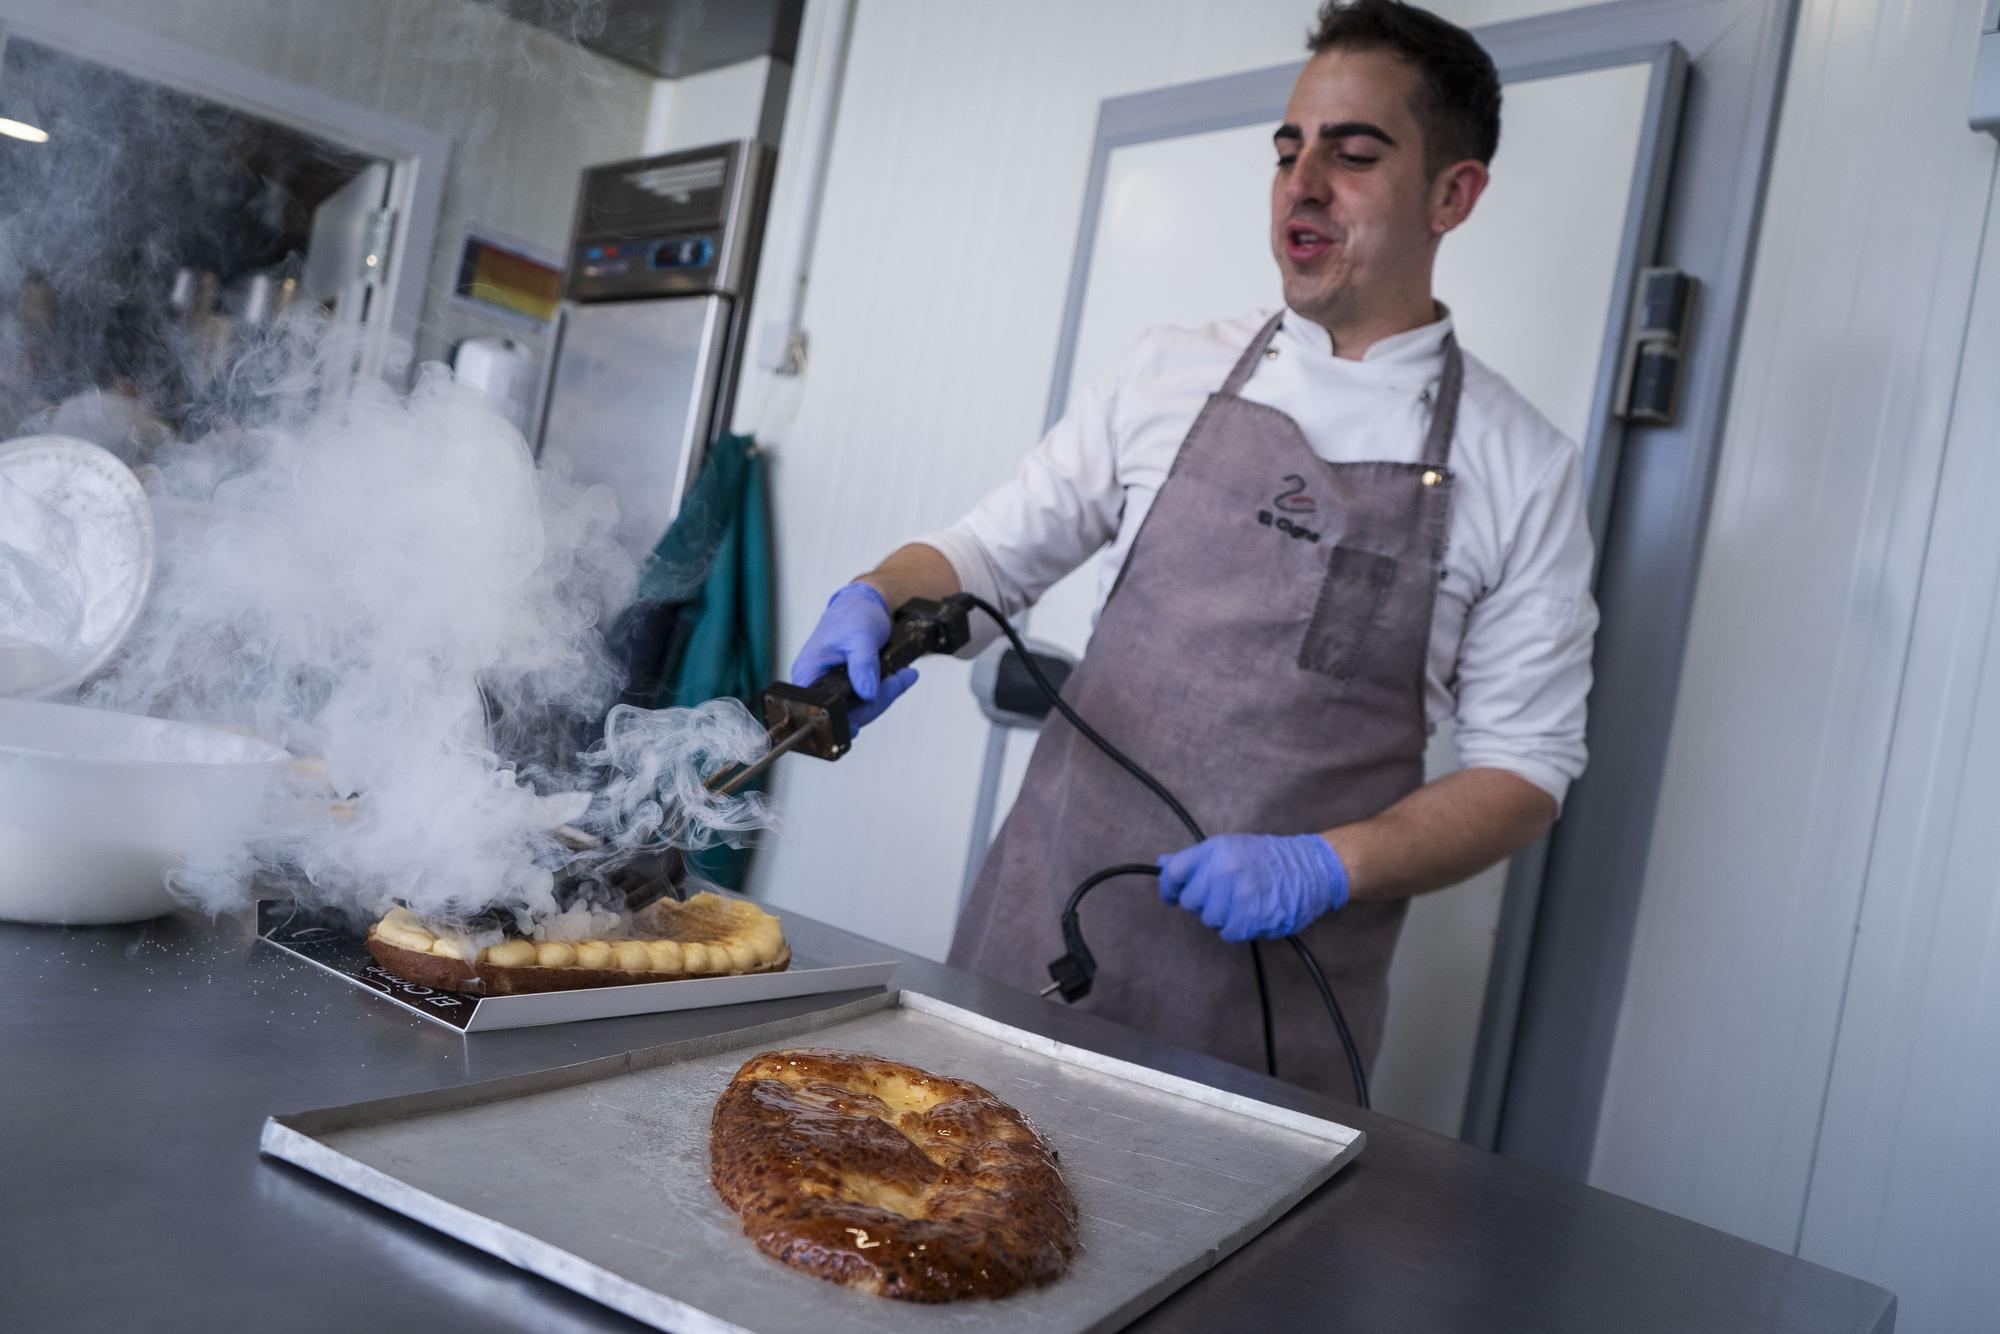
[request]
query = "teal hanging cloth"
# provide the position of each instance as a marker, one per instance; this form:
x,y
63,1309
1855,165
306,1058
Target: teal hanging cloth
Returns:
x,y
715,567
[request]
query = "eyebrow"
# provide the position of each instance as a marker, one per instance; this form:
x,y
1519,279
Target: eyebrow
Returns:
x,y
1344,129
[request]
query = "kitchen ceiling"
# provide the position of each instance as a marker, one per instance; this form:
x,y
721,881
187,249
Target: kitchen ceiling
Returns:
x,y
670,38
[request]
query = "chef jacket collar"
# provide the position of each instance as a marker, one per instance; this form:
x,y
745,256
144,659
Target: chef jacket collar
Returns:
x,y
1419,350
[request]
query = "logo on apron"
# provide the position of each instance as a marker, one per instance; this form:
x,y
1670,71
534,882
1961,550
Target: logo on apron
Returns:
x,y
1289,502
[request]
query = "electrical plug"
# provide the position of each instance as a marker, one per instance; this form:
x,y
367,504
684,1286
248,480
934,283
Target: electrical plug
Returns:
x,y
1076,969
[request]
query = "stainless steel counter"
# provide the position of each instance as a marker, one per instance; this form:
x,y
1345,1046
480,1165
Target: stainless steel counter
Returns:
x,y
137,1065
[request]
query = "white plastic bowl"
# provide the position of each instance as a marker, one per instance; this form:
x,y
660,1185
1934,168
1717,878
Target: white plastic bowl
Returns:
x,y
96,807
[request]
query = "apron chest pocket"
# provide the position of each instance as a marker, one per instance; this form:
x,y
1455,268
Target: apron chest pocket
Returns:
x,y
1350,603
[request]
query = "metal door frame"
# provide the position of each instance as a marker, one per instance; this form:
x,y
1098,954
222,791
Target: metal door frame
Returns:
x,y
1571,903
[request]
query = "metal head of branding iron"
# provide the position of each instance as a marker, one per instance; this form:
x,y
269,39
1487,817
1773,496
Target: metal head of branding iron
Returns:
x,y
812,719
623,885
654,872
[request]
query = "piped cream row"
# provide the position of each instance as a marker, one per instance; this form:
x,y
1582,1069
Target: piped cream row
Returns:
x,y
759,941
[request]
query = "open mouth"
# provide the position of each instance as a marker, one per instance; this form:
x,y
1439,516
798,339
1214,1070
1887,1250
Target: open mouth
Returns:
x,y
1304,244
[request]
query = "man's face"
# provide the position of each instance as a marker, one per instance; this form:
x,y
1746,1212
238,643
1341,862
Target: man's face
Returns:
x,y
1351,216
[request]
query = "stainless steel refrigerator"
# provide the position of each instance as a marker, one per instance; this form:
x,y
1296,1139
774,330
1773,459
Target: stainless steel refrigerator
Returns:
x,y
661,262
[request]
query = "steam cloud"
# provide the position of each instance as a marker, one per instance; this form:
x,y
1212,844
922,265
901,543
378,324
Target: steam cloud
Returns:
x,y
389,584
382,582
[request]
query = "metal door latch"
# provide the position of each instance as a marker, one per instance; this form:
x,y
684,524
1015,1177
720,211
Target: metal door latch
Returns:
x,y
1649,378
378,234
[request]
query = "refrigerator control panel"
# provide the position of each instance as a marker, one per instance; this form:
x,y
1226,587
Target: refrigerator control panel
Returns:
x,y
691,253
678,224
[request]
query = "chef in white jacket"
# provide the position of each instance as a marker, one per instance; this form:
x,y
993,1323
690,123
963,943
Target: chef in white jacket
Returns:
x,y
1330,528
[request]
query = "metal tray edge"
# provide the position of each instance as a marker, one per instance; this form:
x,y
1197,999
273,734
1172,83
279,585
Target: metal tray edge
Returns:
x,y
331,971
1269,1113
516,1248
496,1013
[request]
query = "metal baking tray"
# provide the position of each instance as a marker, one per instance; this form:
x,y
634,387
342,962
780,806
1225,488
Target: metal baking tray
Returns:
x,y
330,946
595,1176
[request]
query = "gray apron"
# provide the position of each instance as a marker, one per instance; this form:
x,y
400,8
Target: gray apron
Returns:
x,y
1262,654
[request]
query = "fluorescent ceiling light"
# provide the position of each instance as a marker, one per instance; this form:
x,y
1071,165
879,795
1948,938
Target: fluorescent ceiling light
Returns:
x,y
16,129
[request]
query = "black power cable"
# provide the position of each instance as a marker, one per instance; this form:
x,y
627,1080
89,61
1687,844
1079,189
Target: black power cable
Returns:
x,y
1354,1070
1061,705
1264,1009
1077,968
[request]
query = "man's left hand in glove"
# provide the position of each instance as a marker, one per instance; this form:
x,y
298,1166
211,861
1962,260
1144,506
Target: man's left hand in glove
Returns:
x,y
1255,886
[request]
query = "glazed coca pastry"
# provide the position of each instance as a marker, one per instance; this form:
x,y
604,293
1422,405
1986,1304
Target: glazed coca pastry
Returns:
x,y
888,1178
708,936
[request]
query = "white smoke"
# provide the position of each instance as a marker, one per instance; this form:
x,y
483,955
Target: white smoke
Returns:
x,y
369,583
652,765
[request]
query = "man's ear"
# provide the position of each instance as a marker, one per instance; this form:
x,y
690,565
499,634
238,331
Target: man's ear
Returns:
x,y
1454,194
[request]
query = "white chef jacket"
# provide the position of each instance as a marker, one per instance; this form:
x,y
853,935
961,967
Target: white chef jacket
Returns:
x,y
1511,634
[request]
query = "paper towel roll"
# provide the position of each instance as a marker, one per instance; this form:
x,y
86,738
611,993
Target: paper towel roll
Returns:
x,y
501,369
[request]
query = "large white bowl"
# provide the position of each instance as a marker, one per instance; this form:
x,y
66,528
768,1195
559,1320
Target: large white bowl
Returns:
x,y
79,515
96,807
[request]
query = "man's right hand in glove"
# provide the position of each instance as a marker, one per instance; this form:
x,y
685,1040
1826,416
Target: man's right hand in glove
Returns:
x,y
850,634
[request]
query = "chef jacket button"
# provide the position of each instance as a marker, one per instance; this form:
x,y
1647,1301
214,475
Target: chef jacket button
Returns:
x,y
1271,354
1432,477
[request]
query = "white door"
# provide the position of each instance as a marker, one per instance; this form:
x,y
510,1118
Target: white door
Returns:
x,y
1533,280
344,259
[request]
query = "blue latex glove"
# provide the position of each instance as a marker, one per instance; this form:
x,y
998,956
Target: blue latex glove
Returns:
x,y
850,634
1255,886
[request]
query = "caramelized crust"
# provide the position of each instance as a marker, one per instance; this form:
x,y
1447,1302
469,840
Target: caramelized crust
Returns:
x,y
889,1178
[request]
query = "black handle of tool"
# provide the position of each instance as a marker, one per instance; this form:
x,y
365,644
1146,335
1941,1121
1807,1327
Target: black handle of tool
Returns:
x,y
919,628
910,637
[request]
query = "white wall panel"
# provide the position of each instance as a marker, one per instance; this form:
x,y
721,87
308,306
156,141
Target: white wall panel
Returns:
x,y
707,108
1906,1184
943,247
1809,582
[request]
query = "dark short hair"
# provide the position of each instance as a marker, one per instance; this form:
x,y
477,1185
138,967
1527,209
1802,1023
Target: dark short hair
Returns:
x,y
1458,104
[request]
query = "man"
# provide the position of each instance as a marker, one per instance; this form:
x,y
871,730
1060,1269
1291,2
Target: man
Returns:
x,y
1330,528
